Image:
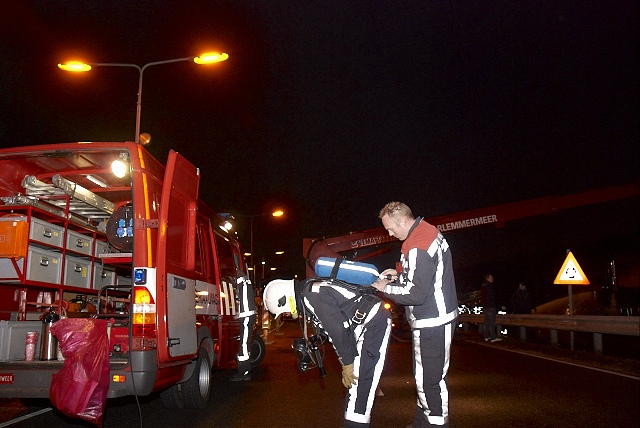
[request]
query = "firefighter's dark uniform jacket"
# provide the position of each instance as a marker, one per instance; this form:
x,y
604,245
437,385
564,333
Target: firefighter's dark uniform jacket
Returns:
x,y
429,293
334,308
246,298
247,316
359,328
426,287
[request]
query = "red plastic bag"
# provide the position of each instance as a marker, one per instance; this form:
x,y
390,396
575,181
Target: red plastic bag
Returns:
x,y
80,388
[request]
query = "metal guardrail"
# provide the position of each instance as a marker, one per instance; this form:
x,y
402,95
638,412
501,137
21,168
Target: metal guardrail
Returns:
x,y
628,326
597,325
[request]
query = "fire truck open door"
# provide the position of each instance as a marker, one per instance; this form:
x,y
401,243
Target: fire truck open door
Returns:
x,y
176,255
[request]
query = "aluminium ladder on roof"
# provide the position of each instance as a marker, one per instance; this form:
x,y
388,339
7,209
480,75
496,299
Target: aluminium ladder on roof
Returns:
x,y
63,198
82,202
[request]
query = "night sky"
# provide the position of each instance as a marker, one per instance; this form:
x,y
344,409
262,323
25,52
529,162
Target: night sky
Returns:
x,y
330,109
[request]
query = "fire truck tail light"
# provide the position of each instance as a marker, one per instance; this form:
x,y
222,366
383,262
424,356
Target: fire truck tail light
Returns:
x,y
142,296
144,330
119,378
143,319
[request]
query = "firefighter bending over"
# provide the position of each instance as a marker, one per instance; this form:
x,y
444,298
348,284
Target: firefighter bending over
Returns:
x,y
357,324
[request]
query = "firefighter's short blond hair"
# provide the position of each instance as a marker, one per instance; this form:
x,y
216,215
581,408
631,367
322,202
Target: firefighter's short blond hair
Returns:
x,y
396,210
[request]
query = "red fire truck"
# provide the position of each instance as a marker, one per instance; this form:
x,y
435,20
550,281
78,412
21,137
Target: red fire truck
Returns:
x,y
107,226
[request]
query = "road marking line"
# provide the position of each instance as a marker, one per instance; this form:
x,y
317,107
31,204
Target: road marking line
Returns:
x,y
561,361
22,418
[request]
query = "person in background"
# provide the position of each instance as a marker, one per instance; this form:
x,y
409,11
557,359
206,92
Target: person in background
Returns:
x,y
521,302
427,289
489,309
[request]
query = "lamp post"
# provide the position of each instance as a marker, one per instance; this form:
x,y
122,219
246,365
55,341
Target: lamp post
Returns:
x,y
77,66
227,216
272,268
274,214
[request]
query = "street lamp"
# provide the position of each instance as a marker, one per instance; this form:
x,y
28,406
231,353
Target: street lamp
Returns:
x,y
274,214
228,216
271,268
207,58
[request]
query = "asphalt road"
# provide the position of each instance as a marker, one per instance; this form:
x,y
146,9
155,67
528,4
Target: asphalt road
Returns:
x,y
490,386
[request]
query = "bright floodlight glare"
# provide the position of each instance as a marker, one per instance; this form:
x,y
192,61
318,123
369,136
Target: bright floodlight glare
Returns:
x,y
210,57
277,213
227,225
118,168
76,66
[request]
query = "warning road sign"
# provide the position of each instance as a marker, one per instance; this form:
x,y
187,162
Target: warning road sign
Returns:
x,y
571,272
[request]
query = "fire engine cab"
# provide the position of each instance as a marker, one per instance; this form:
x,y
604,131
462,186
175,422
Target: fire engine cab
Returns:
x,y
104,230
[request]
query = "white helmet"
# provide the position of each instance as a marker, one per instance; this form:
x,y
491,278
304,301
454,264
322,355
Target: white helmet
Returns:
x,y
280,297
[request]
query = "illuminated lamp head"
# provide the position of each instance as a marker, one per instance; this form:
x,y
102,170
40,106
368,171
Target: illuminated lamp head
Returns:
x,y
144,139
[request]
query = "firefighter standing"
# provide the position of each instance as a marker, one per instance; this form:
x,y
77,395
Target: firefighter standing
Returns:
x,y
358,326
247,316
427,288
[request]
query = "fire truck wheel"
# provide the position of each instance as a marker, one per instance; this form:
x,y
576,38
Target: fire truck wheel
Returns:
x,y
171,398
258,350
197,389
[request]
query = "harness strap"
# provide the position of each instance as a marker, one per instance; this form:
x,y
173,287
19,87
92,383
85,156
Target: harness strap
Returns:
x,y
335,269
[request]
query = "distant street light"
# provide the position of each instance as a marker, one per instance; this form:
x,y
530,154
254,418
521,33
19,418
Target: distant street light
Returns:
x,y
227,216
207,58
274,214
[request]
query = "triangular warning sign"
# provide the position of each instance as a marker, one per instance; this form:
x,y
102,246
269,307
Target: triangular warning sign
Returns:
x,y
571,272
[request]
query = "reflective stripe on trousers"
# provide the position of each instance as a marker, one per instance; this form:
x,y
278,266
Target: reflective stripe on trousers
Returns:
x,y
431,351
244,354
372,343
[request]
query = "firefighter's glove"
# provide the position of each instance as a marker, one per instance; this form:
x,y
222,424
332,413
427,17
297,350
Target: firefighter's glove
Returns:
x,y
348,378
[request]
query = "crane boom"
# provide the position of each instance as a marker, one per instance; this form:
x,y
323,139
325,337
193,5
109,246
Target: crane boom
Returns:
x,y
497,215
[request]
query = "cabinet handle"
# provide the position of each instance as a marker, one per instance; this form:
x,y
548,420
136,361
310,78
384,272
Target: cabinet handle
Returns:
x,y
44,261
77,268
46,232
80,243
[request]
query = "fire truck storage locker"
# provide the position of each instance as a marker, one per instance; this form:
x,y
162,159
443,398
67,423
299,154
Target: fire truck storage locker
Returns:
x,y
45,232
13,335
79,243
43,265
101,248
103,276
13,236
77,271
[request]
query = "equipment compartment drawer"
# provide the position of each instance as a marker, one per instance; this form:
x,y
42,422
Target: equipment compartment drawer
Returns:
x,y
44,265
13,335
13,236
79,243
77,272
45,232
10,272
101,248
102,276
